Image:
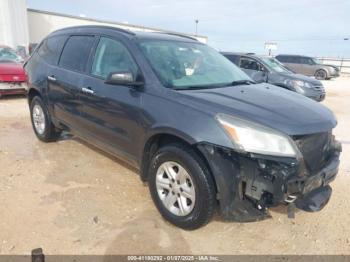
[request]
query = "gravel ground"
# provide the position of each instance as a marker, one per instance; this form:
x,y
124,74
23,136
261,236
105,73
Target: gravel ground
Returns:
x,y
70,198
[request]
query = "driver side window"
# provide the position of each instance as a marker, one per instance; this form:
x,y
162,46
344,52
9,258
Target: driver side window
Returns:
x,y
112,56
251,64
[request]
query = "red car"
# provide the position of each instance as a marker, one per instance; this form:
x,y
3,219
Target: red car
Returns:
x,y
12,76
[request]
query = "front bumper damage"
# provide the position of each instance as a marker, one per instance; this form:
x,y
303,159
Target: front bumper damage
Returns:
x,y
248,184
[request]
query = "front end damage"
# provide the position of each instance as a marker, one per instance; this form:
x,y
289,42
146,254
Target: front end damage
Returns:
x,y
248,184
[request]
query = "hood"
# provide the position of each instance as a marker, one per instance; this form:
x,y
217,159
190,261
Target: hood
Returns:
x,y
271,106
11,69
304,78
333,66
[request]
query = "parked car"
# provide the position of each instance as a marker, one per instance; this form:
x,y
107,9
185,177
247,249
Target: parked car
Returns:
x,y
309,66
267,69
12,75
201,132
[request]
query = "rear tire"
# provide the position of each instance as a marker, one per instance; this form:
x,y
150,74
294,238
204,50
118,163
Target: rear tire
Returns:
x,y
41,121
189,200
321,74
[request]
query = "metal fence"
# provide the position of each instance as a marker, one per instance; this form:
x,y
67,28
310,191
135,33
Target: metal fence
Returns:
x,y
342,63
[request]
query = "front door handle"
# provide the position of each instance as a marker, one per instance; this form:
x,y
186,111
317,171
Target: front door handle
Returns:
x,y
51,78
87,90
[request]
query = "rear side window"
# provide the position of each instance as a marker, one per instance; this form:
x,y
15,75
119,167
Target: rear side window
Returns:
x,y
294,59
76,53
283,59
112,56
51,48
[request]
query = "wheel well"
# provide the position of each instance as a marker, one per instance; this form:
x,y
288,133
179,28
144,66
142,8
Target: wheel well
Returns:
x,y
32,93
159,140
322,69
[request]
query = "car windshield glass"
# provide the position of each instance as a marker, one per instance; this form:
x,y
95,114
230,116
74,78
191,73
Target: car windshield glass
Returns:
x,y
316,61
274,65
8,55
187,65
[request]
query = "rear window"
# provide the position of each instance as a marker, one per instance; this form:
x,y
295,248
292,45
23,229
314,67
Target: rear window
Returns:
x,y
51,48
76,53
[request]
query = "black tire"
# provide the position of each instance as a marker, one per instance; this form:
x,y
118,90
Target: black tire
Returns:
x,y
50,133
205,192
321,74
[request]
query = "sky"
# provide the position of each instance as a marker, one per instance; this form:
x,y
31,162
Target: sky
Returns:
x,y
310,27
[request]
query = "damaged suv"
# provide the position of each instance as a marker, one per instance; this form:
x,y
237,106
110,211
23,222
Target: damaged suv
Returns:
x,y
203,134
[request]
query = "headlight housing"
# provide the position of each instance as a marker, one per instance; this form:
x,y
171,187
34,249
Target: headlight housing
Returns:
x,y
251,137
298,85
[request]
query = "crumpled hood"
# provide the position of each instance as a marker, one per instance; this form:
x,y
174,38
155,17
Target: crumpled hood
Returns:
x,y
11,69
304,78
265,104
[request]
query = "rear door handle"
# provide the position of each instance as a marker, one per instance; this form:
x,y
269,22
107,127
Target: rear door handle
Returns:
x,y
51,78
87,90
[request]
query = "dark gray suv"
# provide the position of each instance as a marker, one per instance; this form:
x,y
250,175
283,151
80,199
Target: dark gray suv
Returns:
x,y
203,135
268,69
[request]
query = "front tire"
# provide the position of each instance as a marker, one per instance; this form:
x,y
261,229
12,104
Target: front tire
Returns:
x,y
181,187
41,121
321,74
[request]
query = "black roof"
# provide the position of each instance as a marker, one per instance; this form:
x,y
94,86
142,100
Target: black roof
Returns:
x,y
292,55
137,34
233,53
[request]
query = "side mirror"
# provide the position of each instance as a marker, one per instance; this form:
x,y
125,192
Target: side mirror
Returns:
x,y
124,78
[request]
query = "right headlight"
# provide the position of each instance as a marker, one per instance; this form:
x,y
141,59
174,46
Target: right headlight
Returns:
x,y
298,85
250,137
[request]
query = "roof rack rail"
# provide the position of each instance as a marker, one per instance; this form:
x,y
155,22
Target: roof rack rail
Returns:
x,y
177,34
249,53
129,32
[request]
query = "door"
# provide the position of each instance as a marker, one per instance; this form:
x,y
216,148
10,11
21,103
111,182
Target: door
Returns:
x,y
254,69
308,66
293,63
111,113
64,81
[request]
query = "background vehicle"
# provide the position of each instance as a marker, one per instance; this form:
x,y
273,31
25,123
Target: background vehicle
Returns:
x,y
309,66
267,69
202,134
12,75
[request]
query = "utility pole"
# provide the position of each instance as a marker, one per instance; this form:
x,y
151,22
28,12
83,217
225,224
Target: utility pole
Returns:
x,y
196,21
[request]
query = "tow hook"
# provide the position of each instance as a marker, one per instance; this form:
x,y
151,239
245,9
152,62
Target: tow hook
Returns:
x,y
291,206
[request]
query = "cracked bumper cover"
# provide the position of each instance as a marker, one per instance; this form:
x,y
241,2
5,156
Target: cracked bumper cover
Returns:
x,y
248,184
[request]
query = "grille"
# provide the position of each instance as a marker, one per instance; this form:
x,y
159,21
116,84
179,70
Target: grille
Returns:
x,y
316,149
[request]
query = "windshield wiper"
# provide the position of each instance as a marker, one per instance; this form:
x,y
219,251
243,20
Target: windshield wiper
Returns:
x,y
234,83
196,87
242,82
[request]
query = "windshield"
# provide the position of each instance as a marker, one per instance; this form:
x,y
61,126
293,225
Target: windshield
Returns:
x,y
275,65
183,65
316,61
9,55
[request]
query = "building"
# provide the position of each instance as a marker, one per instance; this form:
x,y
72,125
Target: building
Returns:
x,y
14,23
20,26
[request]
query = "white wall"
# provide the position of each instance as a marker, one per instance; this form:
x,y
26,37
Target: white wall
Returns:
x,y
42,23
13,23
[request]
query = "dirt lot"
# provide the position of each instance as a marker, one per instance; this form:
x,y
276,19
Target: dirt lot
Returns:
x,y
68,198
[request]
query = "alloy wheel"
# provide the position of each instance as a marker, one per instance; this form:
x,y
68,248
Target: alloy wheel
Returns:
x,y
175,188
39,119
